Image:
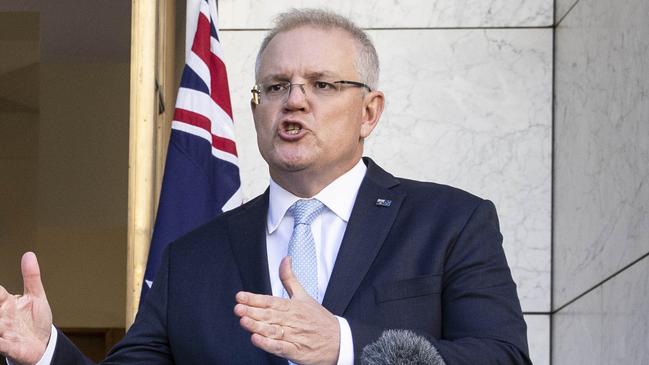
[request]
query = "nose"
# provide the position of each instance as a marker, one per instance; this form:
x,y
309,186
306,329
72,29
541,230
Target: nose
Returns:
x,y
296,100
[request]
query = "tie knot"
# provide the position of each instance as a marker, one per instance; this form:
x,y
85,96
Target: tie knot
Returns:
x,y
306,210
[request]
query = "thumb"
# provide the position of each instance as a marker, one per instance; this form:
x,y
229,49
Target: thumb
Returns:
x,y
31,275
289,280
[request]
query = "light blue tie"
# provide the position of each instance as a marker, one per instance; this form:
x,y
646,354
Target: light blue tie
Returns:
x,y
301,246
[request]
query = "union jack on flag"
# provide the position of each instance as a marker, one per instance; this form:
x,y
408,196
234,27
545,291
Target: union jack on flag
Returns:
x,y
201,178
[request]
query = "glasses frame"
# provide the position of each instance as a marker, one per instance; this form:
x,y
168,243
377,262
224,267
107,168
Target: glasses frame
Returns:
x,y
257,88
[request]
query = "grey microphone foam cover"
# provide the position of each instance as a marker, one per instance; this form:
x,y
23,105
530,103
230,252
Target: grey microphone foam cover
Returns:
x,y
401,347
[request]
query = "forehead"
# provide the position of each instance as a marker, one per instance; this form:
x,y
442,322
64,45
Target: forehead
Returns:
x,y
307,50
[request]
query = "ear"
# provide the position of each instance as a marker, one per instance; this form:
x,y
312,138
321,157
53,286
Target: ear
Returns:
x,y
372,108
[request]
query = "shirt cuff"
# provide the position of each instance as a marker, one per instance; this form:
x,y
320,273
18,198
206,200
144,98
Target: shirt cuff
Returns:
x,y
346,352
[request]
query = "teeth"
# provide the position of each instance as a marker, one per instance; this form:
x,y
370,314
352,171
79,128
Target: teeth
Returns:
x,y
293,128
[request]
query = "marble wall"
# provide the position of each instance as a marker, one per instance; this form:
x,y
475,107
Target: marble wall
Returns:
x,y
602,154
256,14
608,325
601,183
466,107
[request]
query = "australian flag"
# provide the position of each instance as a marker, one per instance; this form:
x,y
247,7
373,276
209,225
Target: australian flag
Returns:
x,y
201,178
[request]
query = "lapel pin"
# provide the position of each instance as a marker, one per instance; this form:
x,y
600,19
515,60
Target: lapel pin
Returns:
x,y
383,202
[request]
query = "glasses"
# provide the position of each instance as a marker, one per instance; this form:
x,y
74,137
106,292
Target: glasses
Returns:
x,y
279,91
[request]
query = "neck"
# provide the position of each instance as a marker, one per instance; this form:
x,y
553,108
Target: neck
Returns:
x,y
307,183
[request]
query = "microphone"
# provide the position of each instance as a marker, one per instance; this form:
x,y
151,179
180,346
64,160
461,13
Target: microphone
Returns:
x,y
401,347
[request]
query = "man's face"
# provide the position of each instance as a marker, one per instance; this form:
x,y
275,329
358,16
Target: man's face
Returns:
x,y
306,133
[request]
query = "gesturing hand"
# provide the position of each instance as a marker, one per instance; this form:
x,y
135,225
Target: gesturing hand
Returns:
x,y
298,329
25,320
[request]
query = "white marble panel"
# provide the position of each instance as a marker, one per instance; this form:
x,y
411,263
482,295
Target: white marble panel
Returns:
x,y
561,8
601,212
258,14
609,325
471,108
538,338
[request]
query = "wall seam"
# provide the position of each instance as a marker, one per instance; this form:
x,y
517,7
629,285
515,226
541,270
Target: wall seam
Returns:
x,y
566,14
552,187
601,283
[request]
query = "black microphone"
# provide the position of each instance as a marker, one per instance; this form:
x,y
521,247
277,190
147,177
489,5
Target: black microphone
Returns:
x,y
401,347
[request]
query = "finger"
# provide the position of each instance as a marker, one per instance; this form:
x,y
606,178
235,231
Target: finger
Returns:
x,y
274,331
8,303
258,314
31,275
278,347
4,294
262,301
290,282
267,315
5,345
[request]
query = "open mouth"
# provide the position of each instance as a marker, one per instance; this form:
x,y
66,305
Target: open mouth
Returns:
x,y
292,128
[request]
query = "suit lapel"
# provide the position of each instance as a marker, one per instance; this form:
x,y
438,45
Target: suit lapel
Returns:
x,y
366,231
248,240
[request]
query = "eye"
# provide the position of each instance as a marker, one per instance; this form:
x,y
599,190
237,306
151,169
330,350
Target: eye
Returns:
x,y
323,85
276,88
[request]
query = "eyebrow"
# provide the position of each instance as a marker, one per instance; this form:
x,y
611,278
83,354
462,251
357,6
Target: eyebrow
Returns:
x,y
319,74
309,76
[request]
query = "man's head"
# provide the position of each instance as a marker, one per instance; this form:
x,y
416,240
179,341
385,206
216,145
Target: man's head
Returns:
x,y
316,75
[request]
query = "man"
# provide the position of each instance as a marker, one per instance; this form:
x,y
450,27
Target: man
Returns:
x,y
370,252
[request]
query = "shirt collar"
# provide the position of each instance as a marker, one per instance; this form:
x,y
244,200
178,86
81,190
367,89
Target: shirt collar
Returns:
x,y
339,196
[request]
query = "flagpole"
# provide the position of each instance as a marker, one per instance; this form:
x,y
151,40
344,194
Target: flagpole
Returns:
x,y
142,138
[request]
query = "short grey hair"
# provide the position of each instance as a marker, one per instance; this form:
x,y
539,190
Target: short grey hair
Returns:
x,y
367,61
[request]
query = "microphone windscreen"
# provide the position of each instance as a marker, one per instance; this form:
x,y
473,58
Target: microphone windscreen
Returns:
x,y
401,347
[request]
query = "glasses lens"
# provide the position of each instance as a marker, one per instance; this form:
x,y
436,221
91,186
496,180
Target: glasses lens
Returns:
x,y
276,90
279,90
324,88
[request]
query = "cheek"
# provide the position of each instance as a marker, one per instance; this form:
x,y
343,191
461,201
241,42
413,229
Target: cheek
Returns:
x,y
263,126
342,137
342,119
264,139
347,127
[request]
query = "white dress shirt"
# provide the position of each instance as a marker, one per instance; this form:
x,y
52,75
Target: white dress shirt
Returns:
x,y
328,230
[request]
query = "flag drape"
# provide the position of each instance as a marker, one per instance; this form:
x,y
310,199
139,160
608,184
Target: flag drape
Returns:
x,y
201,178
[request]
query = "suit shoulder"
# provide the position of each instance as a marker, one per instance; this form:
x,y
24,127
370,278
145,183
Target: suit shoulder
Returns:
x,y
449,201
426,191
427,196
452,207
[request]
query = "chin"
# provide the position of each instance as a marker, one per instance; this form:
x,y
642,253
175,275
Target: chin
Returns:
x,y
295,165
291,161
292,165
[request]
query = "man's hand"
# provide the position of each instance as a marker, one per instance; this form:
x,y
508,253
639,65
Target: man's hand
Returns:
x,y
25,320
298,329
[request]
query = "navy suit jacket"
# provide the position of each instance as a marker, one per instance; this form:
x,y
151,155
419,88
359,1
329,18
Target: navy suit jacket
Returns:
x,y
431,261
